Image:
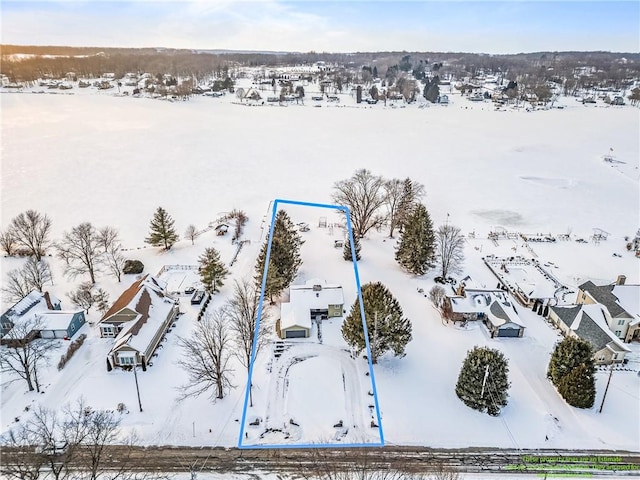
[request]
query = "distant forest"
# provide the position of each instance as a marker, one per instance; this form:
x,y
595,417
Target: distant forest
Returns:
x,y
616,69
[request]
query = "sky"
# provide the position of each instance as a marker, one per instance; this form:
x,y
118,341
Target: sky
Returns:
x,y
327,26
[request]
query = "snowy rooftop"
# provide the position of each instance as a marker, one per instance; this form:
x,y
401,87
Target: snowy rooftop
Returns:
x,y
629,298
56,319
316,293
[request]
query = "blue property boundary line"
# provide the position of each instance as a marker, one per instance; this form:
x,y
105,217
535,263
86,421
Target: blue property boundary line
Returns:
x,y
257,329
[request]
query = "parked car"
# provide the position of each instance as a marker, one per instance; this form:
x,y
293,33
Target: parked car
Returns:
x,y
197,297
189,290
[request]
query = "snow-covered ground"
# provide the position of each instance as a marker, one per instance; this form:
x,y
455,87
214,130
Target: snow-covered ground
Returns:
x,y
113,160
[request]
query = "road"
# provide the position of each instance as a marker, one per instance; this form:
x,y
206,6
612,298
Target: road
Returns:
x,y
406,459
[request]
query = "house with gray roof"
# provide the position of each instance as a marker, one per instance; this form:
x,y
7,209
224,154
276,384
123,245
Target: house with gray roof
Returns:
x,y
621,301
495,308
138,321
590,323
38,315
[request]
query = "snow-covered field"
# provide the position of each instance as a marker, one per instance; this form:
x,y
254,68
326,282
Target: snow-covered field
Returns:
x,y
113,160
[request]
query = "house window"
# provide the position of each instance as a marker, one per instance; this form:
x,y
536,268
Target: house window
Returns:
x,y
126,360
108,331
620,322
618,333
615,356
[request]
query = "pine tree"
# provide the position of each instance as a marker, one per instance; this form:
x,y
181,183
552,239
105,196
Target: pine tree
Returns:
x,y
388,330
162,231
212,270
416,252
488,395
571,370
578,387
284,260
346,253
567,355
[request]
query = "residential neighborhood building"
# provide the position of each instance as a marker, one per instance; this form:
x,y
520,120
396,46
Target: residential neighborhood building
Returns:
x,y
622,303
138,321
314,301
590,322
39,315
495,308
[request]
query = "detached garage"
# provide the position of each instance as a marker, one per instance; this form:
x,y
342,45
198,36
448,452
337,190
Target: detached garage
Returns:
x,y
60,324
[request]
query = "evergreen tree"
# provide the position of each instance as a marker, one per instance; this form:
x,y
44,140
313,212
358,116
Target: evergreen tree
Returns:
x,y
578,387
284,260
474,390
162,231
346,253
416,251
212,270
388,330
571,370
567,355
431,89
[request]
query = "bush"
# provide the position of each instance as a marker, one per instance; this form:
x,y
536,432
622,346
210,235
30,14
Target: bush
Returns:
x,y
133,266
73,346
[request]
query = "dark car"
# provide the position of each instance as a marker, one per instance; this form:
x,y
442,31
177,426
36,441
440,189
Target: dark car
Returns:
x,y
189,290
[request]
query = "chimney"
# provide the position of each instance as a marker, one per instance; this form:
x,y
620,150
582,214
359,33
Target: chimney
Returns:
x,y
48,300
621,279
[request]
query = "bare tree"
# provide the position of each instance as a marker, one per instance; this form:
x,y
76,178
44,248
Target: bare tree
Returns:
x,y
400,197
26,463
70,443
242,312
436,295
31,230
7,242
191,233
206,357
364,195
112,256
32,276
15,287
80,250
241,219
36,273
449,249
87,295
22,356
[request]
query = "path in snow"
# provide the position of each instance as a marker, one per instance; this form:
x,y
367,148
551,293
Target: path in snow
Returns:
x,y
355,415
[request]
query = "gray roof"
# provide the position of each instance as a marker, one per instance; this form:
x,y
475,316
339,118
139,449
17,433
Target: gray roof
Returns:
x,y
497,310
604,294
590,331
567,314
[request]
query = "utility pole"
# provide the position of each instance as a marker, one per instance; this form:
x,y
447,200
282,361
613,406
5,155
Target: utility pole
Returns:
x,y
135,375
606,388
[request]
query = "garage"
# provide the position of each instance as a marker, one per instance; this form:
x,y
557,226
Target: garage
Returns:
x,y
53,333
502,320
293,333
508,332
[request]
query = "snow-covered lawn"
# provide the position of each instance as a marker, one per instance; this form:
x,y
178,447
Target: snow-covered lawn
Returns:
x,y
114,160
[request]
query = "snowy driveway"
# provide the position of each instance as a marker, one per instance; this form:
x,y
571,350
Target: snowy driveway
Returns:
x,y
316,396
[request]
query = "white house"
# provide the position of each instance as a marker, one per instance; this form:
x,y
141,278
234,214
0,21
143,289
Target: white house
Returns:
x,y
622,303
316,300
590,322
